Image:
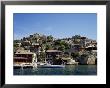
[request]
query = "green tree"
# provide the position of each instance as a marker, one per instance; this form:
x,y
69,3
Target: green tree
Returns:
x,y
17,41
42,56
40,42
16,45
74,55
76,37
62,48
49,38
24,38
57,42
48,47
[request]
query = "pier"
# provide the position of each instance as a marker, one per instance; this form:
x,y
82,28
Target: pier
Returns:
x,y
25,65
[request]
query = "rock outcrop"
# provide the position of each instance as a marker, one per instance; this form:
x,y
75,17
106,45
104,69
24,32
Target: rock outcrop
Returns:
x,y
91,59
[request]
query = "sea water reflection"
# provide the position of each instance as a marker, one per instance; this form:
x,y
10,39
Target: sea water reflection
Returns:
x,y
67,70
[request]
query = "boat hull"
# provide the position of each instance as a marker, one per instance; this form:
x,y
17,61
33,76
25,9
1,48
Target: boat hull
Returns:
x,y
51,66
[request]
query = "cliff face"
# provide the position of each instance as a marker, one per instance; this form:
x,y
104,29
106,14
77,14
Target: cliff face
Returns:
x,y
91,59
83,60
87,58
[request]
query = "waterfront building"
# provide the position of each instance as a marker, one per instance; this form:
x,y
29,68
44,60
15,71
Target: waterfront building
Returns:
x,y
51,53
54,56
24,56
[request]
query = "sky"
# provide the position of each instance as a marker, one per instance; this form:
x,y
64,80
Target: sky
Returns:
x,y
59,25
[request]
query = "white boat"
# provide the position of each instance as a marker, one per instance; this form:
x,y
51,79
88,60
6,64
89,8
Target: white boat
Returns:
x,y
51,66
48,65
72,62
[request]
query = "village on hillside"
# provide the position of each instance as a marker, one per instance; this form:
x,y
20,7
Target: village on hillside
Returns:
x,y
39,48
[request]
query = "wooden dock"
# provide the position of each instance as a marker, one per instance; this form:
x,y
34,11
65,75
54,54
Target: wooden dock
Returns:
x,y
24,66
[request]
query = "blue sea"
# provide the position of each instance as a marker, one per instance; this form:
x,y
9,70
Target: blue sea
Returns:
x,y
67,70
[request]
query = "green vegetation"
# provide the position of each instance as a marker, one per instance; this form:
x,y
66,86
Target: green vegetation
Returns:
x,y
74,55
39,44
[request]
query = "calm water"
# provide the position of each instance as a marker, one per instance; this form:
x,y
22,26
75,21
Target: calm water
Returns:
x,y
68,70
